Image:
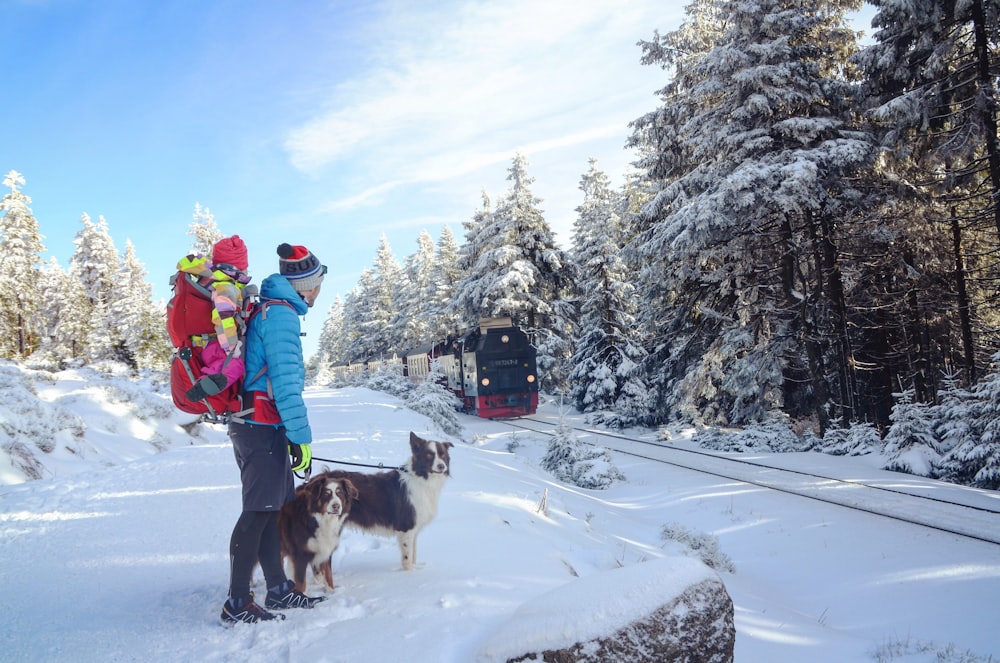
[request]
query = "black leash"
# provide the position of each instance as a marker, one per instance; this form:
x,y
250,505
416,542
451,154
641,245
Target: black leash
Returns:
x,y
380,466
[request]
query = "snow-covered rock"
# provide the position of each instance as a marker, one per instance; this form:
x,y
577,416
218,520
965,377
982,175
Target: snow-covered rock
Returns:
x,y
672,609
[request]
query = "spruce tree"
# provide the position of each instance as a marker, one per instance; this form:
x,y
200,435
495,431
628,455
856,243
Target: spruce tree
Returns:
x,y
369,314
332,347
95,265
138,334
414,296
444,281
204,230
605,353
931,85
66,314
482,236
20,272
752,157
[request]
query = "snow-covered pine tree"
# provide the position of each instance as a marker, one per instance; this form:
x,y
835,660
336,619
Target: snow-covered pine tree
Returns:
x,y
412,320
976,459
955,427
351,338
482,235
332,345
357,308
383,337
65,311
136,321
752,154
532,272
370,314
911,445
20,271
605,353
932,68
95,266
204,230
446,274
520,272
931,81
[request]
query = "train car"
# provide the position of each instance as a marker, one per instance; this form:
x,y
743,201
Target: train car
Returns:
x,y
492,368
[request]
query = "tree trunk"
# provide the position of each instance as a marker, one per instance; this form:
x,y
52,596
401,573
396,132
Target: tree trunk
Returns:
x,y
964,307
842,338
916,350
808,311
985,78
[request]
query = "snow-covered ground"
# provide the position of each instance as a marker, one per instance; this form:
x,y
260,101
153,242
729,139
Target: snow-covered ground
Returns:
x,y
120,553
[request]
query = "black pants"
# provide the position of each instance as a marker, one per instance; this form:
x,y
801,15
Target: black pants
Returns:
x,y
255,538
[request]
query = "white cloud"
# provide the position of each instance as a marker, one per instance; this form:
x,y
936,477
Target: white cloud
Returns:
x,y
457,89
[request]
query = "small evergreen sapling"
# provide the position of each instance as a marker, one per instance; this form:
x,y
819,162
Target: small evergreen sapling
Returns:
x,y
578,463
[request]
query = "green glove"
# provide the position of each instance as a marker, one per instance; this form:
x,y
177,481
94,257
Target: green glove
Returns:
x,y
301,457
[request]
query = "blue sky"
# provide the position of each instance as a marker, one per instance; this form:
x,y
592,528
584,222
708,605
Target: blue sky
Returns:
x,y
319,123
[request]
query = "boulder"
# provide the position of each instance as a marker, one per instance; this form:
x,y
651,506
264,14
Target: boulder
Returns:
x,y
674,609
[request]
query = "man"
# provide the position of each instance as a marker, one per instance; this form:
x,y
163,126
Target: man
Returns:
x,y
277,428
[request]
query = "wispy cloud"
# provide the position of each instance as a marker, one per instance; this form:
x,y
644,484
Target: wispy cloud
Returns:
x,y
458,88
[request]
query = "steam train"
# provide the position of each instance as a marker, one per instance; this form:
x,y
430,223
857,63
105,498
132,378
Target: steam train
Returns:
x,y
492,368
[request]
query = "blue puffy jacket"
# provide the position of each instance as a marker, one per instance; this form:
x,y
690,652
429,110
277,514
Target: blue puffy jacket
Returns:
x,y
273,351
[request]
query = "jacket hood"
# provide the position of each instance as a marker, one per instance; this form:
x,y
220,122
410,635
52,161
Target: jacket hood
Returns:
x,y
277,286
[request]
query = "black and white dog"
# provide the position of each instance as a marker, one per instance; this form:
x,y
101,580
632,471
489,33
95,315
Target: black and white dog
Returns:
x,y
400,502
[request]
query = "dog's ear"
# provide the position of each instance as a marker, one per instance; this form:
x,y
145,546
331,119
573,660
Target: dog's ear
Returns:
x,y
448,445
415,441
316,486
351,489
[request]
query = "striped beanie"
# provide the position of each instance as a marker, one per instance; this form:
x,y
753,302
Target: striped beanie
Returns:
x,y
302,269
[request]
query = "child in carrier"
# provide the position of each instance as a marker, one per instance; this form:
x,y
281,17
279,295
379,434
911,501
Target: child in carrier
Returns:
x,y
225,272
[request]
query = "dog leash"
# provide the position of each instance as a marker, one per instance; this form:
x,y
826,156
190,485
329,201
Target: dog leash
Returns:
x,y
380,466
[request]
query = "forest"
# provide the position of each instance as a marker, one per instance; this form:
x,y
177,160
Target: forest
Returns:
x,y
809,236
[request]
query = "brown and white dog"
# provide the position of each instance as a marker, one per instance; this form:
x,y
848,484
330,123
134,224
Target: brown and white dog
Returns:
x,y
310,526
400,502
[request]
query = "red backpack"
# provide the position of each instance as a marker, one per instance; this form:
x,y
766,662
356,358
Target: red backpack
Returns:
x,y
189,323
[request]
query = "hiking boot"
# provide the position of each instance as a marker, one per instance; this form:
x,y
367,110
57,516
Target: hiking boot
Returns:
x,y
286,596
247,612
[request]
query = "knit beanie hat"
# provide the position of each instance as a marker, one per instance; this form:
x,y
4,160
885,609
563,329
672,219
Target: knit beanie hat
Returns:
x,y
230,251
302,269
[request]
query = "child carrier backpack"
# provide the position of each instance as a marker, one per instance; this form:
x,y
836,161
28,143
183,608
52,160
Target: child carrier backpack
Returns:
x,y
189,323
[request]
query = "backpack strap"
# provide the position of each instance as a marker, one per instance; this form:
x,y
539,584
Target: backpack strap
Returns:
x,y
240,417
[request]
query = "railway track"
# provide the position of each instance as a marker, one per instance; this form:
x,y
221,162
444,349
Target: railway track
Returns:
x,y
975,516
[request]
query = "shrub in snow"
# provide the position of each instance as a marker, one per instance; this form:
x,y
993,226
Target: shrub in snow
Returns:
x,y
634,407
30,426
577,463
911,445
911,649
858,439
433,400
773,434
389,381
704,546
141,398
24,418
